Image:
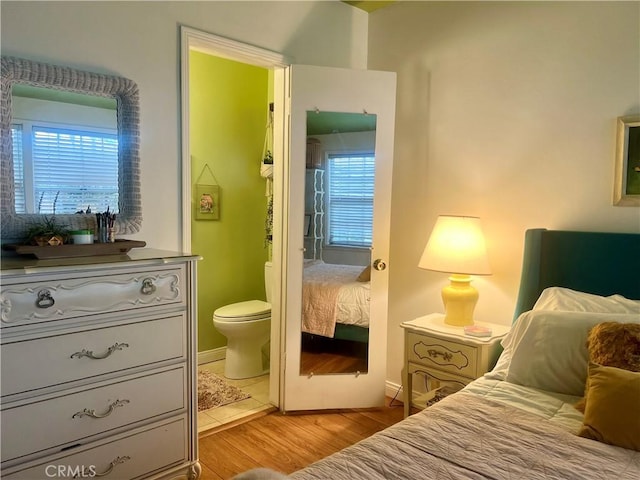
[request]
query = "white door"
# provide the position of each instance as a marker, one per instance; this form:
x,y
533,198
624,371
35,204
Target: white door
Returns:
x,y
339,94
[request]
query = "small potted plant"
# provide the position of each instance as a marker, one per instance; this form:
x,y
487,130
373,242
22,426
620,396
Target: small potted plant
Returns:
x,y
46,232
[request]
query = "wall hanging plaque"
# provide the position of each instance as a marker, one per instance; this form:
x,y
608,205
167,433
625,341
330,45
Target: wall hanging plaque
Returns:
x,y
207,202
207,198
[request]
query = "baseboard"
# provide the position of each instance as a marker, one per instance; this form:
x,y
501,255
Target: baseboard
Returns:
x,y
213,355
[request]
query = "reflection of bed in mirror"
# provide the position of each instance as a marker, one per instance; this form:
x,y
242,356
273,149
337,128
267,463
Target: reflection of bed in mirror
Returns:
x,y
335,301
335,317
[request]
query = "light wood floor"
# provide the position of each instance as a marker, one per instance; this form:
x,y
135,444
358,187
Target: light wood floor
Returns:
x,y
329,363
320,356
287,443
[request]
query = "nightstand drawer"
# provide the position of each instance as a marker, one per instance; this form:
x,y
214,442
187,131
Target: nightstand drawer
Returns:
x,y
446,356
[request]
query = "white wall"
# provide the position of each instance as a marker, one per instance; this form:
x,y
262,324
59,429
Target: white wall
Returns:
x,y
505,110
140,41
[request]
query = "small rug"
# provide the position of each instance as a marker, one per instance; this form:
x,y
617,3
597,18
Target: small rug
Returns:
x,y
214,391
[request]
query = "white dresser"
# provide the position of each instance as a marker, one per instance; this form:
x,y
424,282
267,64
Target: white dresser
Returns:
x,y
98,367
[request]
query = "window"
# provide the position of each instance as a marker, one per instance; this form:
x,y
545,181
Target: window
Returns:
x,y
18,168
350,199
70,169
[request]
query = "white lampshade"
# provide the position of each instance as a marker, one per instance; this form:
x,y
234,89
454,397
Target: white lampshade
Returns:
x,y
456,245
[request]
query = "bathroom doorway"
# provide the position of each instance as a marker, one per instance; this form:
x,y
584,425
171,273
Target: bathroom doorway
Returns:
x,y
327,85
226,127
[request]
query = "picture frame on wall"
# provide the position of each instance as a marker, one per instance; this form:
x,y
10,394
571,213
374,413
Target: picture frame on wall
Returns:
x,y
207,202
626,188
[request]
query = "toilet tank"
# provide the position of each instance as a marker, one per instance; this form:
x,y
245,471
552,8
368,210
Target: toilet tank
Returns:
x,y
268,279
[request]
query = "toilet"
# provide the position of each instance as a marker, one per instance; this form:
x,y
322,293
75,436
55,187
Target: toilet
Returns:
x,y
247,326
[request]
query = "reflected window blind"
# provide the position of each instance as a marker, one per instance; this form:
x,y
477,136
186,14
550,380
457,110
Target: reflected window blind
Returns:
x,y
74,170
350,199
18,168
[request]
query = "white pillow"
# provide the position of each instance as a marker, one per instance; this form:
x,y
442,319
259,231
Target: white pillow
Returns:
x,y
547,350
501,368
560,298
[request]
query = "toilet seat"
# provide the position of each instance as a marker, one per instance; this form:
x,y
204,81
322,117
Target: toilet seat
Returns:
x,y
244,311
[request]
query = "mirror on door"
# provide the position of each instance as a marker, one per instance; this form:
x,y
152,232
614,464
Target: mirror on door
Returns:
x,y
340,174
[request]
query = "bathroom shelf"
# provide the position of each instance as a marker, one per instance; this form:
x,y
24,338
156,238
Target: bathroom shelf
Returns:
x,y
314,206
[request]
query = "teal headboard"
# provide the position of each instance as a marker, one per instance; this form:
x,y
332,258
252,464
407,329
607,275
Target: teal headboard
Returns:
x,y
593,262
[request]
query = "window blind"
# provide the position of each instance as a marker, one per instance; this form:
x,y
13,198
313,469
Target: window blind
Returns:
x,y
18,168
74,170
350,199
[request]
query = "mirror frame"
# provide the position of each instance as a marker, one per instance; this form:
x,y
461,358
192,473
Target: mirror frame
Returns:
x,y
124,91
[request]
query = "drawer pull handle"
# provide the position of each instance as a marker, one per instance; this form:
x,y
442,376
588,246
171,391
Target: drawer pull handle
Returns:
x,y
93,414
44,300
112,465
437,353
147,286
90,354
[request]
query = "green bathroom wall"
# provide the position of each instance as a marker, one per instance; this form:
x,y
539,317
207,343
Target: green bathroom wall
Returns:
x,y
228,115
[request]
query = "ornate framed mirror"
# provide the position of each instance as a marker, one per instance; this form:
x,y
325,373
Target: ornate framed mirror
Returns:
x,y
18,72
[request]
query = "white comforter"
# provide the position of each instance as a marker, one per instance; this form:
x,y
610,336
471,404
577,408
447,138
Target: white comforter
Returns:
x,y
489,430
332,294
553,407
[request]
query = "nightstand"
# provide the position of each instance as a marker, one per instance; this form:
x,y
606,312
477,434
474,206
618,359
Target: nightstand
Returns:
x,y
443,353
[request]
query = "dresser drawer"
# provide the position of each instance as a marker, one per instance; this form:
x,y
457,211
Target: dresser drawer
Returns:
x,y
67,419
128,457
35,364
48,300
446,356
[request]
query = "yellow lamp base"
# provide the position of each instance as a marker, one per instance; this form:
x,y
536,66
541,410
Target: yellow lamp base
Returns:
x,y
459,299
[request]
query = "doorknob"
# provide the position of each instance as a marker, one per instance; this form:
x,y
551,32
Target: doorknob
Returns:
x,y
379,265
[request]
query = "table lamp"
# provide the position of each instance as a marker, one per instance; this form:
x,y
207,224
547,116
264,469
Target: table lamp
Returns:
x,y
456,246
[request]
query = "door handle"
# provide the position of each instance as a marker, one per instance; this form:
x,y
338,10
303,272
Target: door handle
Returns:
x,y
379,265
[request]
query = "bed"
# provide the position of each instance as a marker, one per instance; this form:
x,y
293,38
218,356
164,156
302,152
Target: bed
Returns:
x,y
335,301
519,420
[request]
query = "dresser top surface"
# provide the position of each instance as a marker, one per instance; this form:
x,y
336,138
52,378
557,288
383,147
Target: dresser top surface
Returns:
x,y
23,265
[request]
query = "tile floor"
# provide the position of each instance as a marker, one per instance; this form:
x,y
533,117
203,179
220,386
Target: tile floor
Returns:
x,y
257,387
